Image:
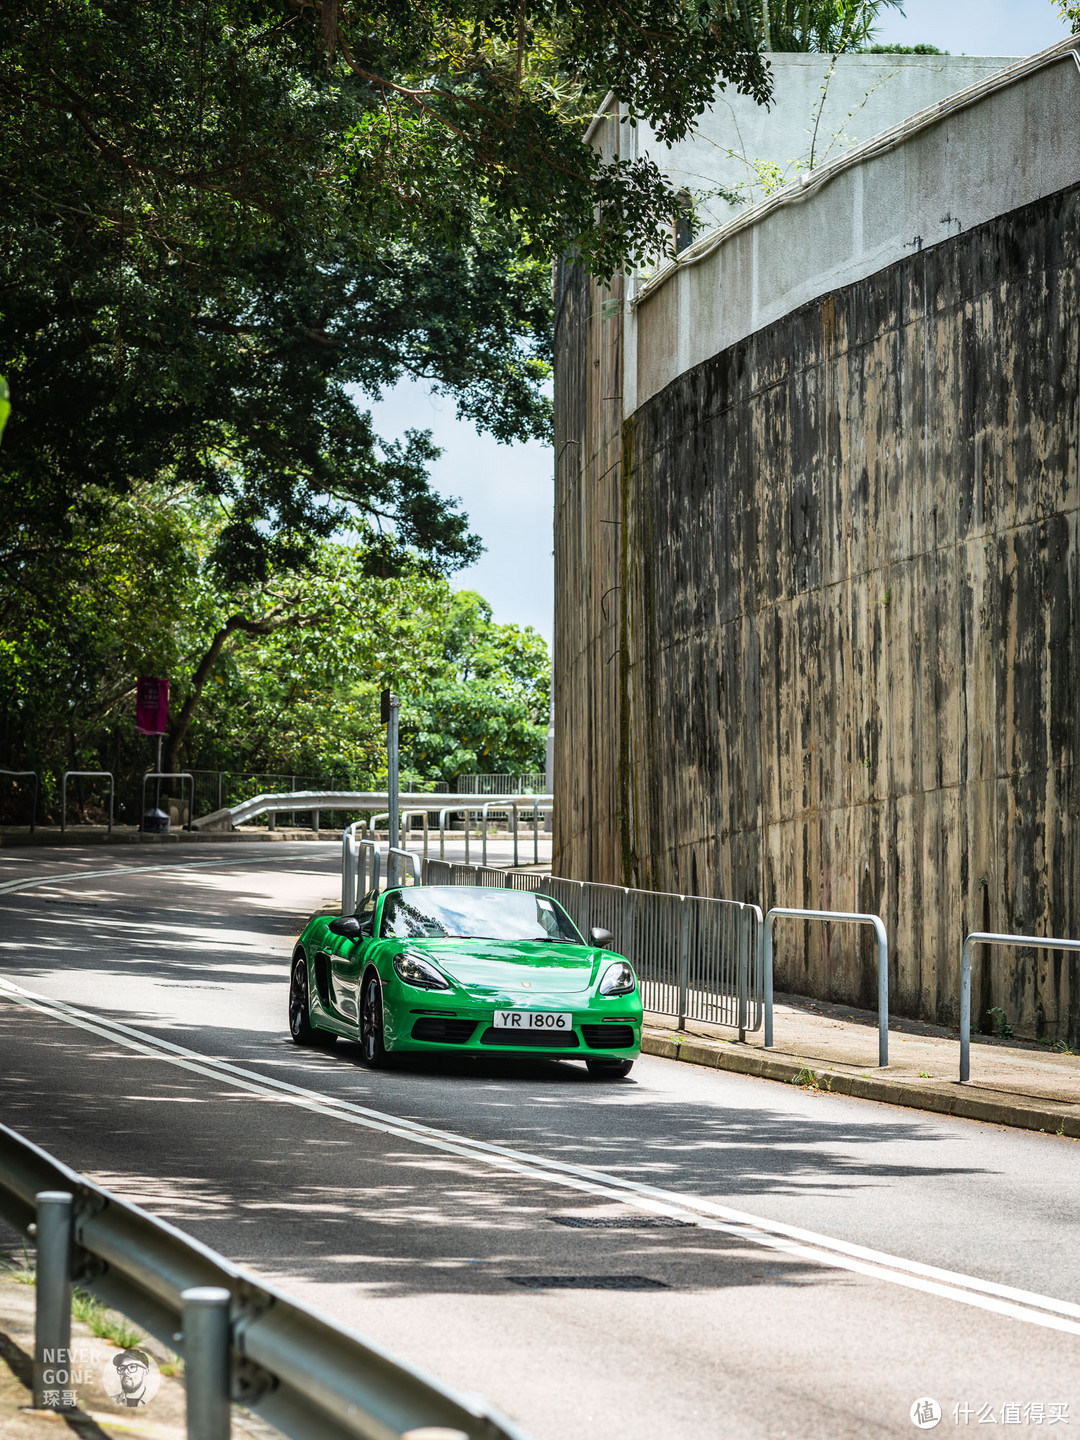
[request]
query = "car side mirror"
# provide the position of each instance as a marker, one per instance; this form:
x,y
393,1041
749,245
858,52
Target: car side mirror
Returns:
x,y
348,927
600,938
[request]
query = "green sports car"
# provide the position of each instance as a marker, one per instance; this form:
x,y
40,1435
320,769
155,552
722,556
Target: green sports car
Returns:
x,y
465,969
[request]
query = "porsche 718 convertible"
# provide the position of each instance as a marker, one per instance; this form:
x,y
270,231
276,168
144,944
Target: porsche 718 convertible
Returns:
x,y
458,968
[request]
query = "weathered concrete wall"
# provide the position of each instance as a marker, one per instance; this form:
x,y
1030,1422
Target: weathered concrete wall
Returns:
x,y
829,654
850,634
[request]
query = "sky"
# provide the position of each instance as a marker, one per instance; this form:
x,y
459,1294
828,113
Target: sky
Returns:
x,y
507,490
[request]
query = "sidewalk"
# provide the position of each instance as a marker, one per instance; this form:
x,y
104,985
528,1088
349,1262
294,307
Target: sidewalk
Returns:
x,y
834,1047
97,1417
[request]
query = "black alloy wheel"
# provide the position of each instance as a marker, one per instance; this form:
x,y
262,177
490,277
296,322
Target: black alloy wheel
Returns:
x,y
300,1026
372,1052
609,1069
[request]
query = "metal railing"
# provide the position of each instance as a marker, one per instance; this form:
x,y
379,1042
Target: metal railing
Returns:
x,y
160,775
21,775
396,857
355,855
86,775
502,784
242,1340
983,937
696,958
833,917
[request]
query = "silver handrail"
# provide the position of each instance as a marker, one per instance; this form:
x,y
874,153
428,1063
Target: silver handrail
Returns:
x,y
830,917
985,937
362,800
86,775
304,1374
171,775
19,775
392,868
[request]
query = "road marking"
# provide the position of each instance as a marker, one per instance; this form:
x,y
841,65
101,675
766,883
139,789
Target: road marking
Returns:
x,y
1023,1305
9,886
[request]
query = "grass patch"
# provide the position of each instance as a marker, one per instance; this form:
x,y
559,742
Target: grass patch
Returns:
x,y
105,1324
807,1080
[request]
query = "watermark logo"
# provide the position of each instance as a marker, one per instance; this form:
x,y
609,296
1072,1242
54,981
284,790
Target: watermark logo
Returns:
x,y
925,1413
131,1379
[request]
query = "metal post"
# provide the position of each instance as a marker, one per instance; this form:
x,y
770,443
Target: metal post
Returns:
x,y
536,834
52,1323
882,995
483,834
220,797
515,810
742,922
206,1362
63,803
392,769
965,1009
467,819
768,978
684,956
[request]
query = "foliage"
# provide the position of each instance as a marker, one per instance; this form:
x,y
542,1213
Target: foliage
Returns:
x,y
922,49
222,220
1069,10
830,26
282,674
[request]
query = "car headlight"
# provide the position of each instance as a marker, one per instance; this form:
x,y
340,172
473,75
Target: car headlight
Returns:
x,y
415,971
619,979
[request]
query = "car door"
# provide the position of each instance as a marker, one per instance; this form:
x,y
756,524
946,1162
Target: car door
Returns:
x,y
347,959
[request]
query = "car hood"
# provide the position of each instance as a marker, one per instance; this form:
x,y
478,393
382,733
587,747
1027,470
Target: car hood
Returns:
x,y
497,966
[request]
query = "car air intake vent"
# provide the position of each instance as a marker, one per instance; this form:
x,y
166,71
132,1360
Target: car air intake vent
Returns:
x,y
608,1037
542,1039
445,1031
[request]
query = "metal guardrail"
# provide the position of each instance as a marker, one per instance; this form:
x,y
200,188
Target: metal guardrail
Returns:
x,y
833,917
355,858
241,1340
160,775
86,775
375,800
984,937
696,958
21,775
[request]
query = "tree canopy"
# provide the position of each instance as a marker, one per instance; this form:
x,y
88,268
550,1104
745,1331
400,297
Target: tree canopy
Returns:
x,y
226,222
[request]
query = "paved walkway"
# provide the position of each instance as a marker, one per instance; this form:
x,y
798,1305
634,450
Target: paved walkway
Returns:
x,y
834,1047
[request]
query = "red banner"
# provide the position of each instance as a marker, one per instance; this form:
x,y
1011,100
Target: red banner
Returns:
x,y
151,706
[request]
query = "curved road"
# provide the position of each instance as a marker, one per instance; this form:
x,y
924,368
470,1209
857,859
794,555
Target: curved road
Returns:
x,y
685,1252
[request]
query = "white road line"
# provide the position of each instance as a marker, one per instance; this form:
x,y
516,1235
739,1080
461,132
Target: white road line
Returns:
x,y
1023,1305
222,862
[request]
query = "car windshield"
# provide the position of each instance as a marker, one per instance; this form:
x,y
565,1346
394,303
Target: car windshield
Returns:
x,y
464,911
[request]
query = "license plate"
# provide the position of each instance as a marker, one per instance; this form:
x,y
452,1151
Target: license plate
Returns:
x,y
533,1020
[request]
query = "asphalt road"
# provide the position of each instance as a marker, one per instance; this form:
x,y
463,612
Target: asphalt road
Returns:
x,y
684,1252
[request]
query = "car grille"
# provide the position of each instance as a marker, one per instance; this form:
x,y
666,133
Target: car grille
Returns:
x,y
447,1032
544,1039
608,1037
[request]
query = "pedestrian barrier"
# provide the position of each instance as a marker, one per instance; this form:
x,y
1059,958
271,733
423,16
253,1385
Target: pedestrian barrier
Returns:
x,y
696,958
983,937
86,775
396,854
160,775
241,1340
357,857
832,917
21,775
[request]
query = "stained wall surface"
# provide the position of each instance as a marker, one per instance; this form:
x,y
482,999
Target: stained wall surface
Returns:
x,y
843,669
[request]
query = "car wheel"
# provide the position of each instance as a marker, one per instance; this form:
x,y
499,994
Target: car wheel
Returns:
x,y
372,1052
300,1026
609,1069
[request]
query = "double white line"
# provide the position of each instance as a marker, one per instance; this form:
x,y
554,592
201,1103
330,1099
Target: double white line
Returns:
x,y
790,1240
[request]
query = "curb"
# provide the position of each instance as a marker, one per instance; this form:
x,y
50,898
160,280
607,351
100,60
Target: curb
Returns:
x,y
14,840
940,1097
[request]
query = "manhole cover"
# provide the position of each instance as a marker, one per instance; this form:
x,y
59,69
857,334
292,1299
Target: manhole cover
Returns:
x,y
587,1282
618,1222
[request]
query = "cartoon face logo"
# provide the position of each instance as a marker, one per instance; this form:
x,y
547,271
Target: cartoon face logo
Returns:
x,y
131,1379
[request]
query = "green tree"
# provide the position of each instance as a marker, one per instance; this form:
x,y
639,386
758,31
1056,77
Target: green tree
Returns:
x,y
829,26
220,221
